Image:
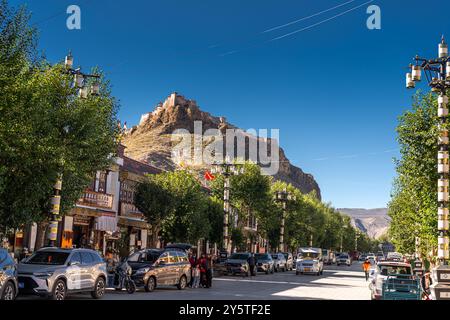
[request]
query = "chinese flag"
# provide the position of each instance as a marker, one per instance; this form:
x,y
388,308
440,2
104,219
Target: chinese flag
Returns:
x,y
209,176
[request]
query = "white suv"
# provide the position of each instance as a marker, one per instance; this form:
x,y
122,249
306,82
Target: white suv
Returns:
x,y
344,259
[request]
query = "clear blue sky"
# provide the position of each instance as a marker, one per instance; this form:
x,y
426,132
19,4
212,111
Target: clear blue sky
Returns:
x,y
334,90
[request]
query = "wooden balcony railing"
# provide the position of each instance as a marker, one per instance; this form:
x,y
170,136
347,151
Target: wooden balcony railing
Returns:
x,y
95,199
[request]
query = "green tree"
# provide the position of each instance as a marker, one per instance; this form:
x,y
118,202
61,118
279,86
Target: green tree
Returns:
x,y
413,207
45,129
154,199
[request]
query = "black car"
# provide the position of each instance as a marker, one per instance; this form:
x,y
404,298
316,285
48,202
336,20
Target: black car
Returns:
x,y
264,263
8,276
140,260
237,263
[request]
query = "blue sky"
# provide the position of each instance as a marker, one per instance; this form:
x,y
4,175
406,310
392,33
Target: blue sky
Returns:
x,y
334,90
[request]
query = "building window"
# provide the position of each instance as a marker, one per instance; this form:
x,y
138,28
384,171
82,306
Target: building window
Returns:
x,y
102,181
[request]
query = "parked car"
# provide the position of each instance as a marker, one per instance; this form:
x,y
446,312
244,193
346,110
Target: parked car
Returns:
x,y
170,268
344,258
289,261
309,260
143,258
237,263
264,263
8,276
363,257
279,262
329,257
387,269
372,259
55,273
394,256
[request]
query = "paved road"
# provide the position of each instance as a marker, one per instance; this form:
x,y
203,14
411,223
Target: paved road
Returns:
x,y
336,283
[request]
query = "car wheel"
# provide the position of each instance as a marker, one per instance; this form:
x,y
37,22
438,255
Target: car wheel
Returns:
x,y
59,290
182,283
267,271
150,285
297,273
99,289
9,293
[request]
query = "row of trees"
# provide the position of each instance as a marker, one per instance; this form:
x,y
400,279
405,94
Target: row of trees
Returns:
x,y
413,207
180,209
45,129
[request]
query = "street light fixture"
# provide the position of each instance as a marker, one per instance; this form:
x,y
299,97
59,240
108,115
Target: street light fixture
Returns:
x,y
227,169
437,72
283,197
79,83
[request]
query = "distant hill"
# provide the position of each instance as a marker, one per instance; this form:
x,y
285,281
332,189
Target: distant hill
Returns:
x,y
373,222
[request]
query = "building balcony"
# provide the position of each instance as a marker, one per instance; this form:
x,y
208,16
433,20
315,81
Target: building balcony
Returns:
x,y
96,200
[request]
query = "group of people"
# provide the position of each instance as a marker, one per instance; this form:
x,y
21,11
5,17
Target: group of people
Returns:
x,y
201,271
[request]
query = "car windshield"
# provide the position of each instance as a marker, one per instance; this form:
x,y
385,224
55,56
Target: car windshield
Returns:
x,y
262,256
286,256
343,256
308,255
275,256
48,258
390,270
239,256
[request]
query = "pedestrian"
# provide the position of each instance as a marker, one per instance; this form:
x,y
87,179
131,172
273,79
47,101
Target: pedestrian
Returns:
x,y
193,262
426,283
366,267
203,262
252,264
209,271
196,275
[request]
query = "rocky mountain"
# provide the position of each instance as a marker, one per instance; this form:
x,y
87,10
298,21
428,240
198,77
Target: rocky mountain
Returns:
x,y
152,141
374,222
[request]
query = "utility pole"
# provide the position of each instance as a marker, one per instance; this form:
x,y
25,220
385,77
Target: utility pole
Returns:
x,y
80,84
283,197
227,169
437,72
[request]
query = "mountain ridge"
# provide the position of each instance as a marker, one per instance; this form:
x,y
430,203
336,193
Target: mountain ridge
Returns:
x,y
151,140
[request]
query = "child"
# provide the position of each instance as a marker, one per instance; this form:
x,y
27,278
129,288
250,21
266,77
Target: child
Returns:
x,y
196,275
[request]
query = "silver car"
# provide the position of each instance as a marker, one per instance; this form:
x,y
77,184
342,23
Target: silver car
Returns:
x,y
8,276
54,273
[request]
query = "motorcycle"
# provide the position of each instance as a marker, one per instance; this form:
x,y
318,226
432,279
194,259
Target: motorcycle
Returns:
x,y
122,278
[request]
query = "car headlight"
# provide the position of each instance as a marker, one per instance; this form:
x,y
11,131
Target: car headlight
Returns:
x,y
43,275
142,271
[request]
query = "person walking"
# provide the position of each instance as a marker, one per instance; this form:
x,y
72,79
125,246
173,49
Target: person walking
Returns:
x,y
426,283
252,264
203,262
366,267
196,275
193,262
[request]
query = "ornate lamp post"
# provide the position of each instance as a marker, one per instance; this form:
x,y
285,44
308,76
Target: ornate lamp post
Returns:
x,y
437,72
227,169
283,197
83,92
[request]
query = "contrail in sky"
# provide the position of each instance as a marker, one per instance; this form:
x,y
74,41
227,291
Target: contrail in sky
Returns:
x,y
308,17
350,156
320,22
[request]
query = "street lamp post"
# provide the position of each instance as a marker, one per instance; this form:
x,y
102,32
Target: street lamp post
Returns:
x,y
226,169
437,72
79,83
283,197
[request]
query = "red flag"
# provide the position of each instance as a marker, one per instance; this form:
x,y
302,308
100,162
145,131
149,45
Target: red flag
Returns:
x,y
209,176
